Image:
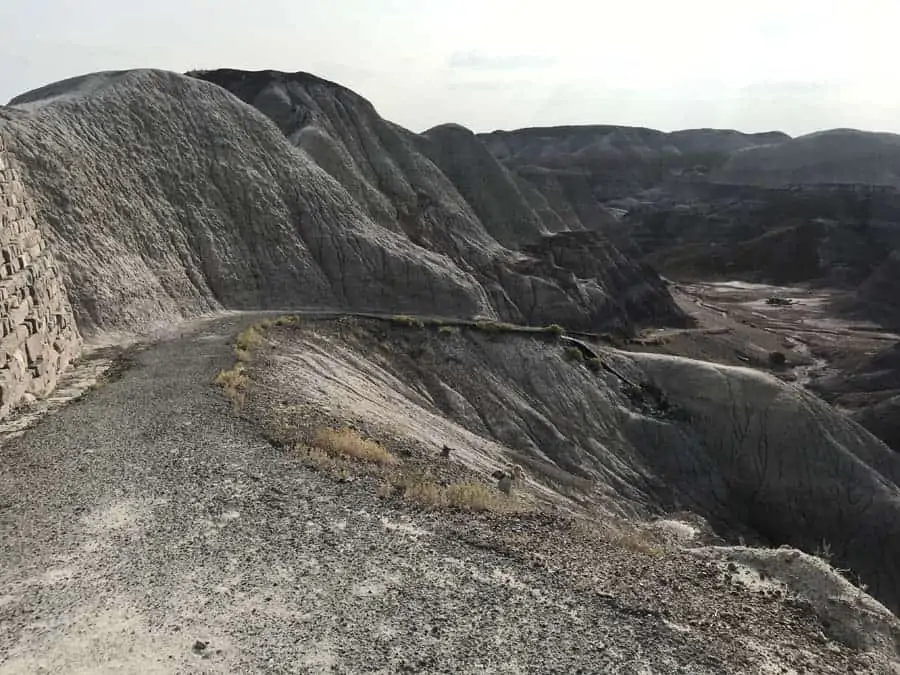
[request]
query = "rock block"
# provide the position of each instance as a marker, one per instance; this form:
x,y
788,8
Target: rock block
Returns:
x,y
34,348
38,337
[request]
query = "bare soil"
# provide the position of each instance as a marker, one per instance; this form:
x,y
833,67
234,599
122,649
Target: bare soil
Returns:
x,y
736,325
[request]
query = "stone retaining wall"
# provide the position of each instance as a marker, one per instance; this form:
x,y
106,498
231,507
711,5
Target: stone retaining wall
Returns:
x,y
38,335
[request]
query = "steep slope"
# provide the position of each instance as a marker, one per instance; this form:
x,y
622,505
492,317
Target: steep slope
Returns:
x,y
879,294
869,389
633,435
138,536
447,193
484,183
164,196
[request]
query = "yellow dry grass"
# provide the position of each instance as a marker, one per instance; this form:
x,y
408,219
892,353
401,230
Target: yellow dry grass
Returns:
x,y
348,443
638,541
422,489
248,340
234,381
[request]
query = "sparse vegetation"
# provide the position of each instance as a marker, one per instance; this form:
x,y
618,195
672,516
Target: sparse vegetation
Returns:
x,y
573,354
408,321
448,330
639,541
234,381
555,329
317,458
614,340
248,340
496,327
594,364
422,489
777,359
349,443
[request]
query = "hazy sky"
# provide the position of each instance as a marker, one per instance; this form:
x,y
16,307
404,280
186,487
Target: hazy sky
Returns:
x,y
794,65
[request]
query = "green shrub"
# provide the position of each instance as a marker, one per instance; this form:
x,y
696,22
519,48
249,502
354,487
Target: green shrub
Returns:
x,y
495,326
555,329
409,321
573,354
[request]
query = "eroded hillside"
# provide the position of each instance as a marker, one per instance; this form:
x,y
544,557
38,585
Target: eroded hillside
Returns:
x,y
610,437
447,193
635,435
164,197
715,204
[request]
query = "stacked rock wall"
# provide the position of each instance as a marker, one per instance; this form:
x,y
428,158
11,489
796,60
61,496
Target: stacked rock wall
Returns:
x,y
38,335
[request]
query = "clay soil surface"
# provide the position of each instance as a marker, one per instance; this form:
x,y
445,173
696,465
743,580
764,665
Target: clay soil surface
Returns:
x,y
737,325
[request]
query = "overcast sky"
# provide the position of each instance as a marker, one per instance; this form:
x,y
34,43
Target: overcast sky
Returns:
x,y
754,65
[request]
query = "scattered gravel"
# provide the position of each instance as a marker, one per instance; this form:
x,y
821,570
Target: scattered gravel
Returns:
x,y
145,528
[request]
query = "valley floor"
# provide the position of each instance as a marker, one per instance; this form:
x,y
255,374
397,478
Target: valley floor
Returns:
x,y
146,528
737,326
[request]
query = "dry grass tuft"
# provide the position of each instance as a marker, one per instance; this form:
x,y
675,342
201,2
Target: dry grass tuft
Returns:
x,y
406,320
422,489
234,381
248,340
348,443
496,327
285,320
315,458
639,541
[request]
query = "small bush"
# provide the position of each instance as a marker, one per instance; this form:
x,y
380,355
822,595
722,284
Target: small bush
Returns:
x,y
617,341
639,542
573,354
247,340
408,321
234,381
422,489
472,496
349,443
594,364
555,329
777,359
448,330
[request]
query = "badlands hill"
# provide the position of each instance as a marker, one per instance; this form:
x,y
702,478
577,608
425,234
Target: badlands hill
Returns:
x,y
702,204
835,156
625,157
650,157
166,196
